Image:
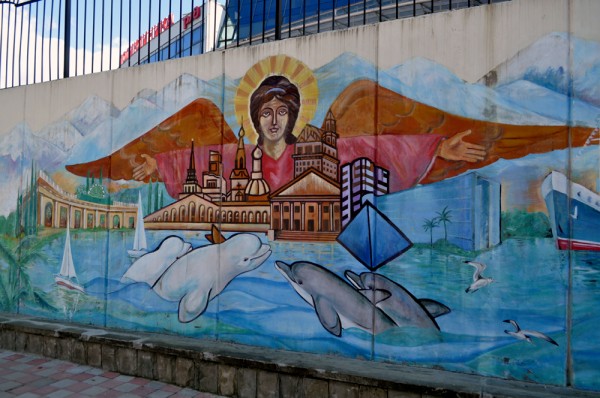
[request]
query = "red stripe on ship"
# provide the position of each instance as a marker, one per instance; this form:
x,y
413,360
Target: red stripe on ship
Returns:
x,y
568,244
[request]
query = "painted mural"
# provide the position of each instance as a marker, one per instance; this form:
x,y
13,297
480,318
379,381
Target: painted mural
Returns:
x,y
397,215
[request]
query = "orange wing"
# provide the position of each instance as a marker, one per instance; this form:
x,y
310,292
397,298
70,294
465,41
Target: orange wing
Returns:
x,y
365,108
200,120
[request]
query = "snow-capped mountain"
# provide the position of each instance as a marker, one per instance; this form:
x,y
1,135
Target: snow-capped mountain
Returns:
x,y
433,84
62,134
554,59
90,113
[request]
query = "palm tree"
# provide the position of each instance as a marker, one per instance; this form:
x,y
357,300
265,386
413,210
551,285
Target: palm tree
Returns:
x,y
15,284
444,217
429,225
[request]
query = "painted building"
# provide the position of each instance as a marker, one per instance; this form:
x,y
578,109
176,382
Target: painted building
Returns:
x,y
58,208
470,202
361,180
243,208
307,208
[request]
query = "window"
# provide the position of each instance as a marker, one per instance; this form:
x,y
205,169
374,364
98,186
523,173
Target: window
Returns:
x,y
311,209
297,209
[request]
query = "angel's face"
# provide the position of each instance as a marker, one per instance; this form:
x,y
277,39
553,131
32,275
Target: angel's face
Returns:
x,y
273,120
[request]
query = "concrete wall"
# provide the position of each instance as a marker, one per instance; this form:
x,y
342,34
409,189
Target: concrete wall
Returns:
x,y
507,92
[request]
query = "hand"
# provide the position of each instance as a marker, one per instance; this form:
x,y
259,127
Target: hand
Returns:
x,y
145,169
455,148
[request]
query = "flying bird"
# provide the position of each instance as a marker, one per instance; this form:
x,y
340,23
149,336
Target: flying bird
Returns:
x,y
479,280
523,334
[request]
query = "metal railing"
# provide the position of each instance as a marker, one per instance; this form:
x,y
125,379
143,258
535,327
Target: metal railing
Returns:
x,y
42,40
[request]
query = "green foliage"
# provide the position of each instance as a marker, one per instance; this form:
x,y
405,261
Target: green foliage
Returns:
x,y
519,223
8,224
445,217
429,225
15,284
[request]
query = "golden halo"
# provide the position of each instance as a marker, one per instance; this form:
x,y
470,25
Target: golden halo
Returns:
x,y
278,65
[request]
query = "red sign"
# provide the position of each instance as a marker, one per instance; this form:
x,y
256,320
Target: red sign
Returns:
x,y
157,29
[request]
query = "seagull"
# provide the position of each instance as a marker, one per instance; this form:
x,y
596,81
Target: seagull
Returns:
x,y
478,280
526,334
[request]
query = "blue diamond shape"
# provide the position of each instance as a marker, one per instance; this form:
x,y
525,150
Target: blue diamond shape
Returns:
x,y
372,238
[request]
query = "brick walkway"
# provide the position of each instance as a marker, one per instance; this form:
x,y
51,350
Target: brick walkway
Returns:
x,y
32,376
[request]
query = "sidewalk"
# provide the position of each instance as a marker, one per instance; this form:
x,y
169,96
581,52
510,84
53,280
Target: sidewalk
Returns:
x,y
32,376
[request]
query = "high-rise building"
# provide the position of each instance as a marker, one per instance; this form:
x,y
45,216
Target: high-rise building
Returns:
x,y
361,180
194,34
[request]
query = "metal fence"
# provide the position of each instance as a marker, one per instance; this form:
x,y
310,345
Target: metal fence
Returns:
x,y
42,40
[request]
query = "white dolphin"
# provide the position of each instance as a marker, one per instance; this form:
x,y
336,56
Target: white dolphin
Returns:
x,y
202,273
149,267
523,334
479,280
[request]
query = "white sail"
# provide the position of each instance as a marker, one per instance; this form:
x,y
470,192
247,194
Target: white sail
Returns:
x,y
67,269
139,240
67,277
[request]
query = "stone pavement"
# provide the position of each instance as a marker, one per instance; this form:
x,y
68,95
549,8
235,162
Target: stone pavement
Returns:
x,y
31,376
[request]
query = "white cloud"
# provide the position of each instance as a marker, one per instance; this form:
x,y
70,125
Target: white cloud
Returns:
x,y
42,59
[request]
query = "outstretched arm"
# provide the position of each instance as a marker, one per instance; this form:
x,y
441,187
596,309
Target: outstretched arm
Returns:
x,y
455,148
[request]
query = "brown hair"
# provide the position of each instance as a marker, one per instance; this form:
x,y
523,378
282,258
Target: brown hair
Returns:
x,y
281,88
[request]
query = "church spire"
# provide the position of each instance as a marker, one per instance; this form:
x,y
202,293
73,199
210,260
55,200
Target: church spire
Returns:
x,y
191,182
192,161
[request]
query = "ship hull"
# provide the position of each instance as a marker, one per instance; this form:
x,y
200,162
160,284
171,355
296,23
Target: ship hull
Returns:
x,y
67,283
574,213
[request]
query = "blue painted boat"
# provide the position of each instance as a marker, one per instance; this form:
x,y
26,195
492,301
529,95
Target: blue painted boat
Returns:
x,y
574,212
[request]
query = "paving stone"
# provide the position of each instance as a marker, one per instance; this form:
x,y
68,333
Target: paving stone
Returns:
x,y
268,385
314,388
226,376
246,383
184,372
207,378
343,390
93,354
126,360
164,368
290,386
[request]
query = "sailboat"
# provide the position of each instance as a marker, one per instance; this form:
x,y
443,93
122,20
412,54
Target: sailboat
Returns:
x,y
67,276
139,240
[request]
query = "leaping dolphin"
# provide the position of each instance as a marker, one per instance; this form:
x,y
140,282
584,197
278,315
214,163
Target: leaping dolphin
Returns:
x,y
337,304
397,302
202,273
479,280
523,334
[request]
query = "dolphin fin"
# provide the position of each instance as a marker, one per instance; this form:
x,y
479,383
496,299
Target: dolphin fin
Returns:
x,y
435,308
192,305
375,296
215,235
328,317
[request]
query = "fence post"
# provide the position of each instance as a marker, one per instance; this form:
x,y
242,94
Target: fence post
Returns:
x,y
277,20
67,46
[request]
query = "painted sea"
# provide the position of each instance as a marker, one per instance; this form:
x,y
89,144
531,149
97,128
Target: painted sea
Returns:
x,y
530,286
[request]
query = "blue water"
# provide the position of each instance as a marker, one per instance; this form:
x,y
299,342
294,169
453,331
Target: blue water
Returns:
x,y
260,307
